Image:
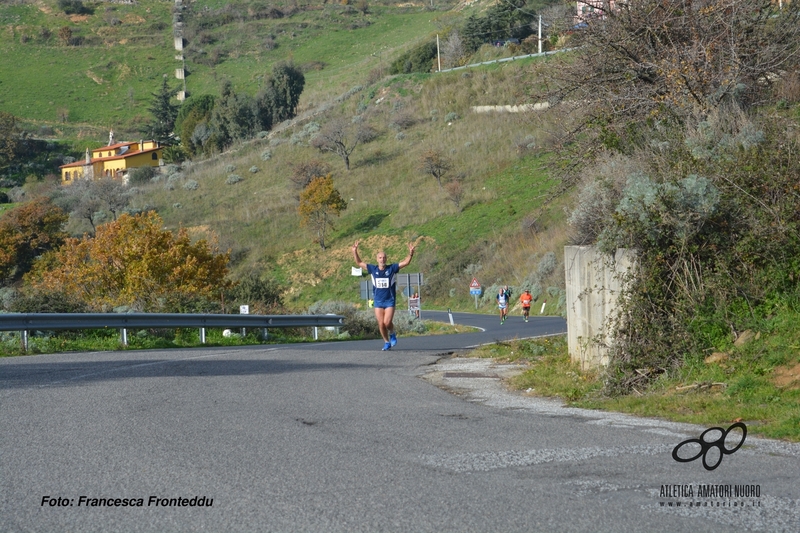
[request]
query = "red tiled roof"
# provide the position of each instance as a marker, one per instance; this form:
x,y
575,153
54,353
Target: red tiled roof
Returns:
x,y
114,146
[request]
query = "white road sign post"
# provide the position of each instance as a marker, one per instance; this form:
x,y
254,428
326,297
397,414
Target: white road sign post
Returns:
x,y
475,290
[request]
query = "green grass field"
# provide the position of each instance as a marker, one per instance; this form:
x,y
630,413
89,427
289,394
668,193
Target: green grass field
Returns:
x,y
107,81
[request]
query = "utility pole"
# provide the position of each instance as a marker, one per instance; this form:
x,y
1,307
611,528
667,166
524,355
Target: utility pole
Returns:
x,y
438,55
540,34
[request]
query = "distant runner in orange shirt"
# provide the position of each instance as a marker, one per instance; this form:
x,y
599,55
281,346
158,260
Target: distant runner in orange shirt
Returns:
x,y
526,299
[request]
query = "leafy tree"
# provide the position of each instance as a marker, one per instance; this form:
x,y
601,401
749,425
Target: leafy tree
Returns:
x,y
475,32
233,117
133,261
8,138
341,137
278,101
164,113
27,232
510,18
319,203
196,110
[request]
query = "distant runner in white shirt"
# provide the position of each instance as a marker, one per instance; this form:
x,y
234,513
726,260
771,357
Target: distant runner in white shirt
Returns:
x,y
502,304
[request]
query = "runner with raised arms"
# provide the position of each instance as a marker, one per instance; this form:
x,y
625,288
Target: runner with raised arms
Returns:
x,y
384,284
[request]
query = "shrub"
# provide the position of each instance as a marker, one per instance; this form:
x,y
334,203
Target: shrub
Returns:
x,y
262,295
234,178
172,179
356,323
47,302
230,168
253,169
418,59
349,93
547,265
141,175
450,117
74,7
266,155
191,185
402,120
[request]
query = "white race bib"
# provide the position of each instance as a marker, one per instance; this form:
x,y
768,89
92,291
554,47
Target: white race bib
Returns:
x,y
381,283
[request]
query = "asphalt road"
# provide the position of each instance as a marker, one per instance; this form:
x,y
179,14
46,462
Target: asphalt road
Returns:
x,y
341,437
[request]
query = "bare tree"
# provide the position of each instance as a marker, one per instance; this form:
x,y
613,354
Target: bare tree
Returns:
x,y
113,194
87,199
304,172
434,163
453,50
557,19
455,190
651,61
88,208
342,136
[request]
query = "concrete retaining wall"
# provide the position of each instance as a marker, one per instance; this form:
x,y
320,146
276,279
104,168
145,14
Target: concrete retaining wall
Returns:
x,y
594,284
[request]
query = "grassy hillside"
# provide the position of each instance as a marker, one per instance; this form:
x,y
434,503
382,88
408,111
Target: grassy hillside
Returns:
x,y
101,73
490,234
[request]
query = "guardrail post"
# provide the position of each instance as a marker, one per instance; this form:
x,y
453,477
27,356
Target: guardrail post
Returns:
x,y
124,336
23,338
202,335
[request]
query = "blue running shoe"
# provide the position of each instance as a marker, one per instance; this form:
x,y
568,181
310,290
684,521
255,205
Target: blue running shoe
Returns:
x,y
387,346
392,339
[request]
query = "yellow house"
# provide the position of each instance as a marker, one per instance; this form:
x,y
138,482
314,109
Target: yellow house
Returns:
x,y
113,161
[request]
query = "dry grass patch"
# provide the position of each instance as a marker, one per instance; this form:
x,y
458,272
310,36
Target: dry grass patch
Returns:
x,y
787,377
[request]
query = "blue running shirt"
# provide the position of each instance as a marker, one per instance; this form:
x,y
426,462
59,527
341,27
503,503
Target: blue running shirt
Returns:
x,y
384,284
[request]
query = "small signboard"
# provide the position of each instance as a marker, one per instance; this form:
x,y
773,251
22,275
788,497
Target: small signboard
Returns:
x,y
244,309
475,290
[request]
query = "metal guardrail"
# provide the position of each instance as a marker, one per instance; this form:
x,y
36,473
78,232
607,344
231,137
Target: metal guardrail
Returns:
x,y
505,59
25,322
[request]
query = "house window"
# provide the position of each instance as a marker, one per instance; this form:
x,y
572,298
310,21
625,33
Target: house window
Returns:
x,y
155,156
